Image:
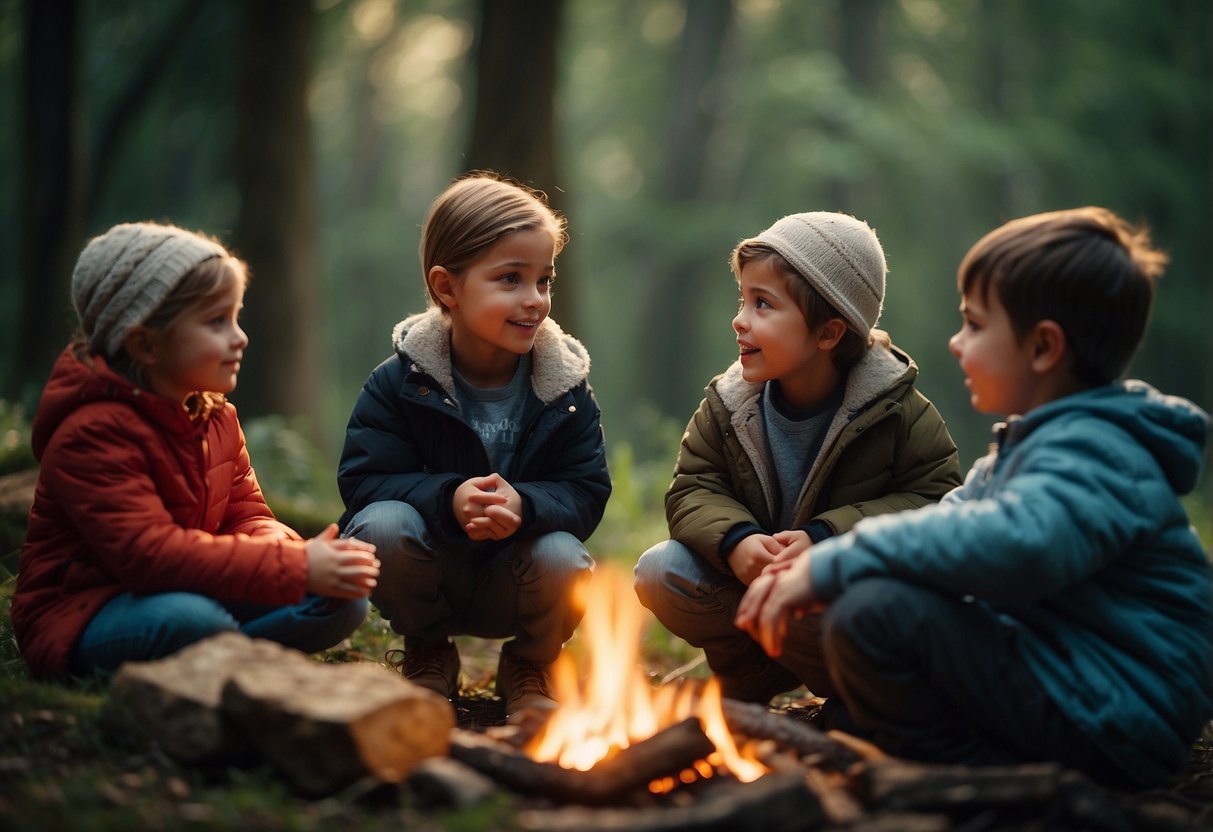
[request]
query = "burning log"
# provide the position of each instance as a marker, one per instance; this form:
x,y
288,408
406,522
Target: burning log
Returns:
x,y
756,722
775,803
632,768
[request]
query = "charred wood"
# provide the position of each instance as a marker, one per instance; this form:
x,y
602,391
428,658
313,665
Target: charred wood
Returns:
x,y
775,803
919,787
666,752
756,722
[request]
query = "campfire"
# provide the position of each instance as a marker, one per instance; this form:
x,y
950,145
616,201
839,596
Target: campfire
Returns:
x,y
620,755
612,706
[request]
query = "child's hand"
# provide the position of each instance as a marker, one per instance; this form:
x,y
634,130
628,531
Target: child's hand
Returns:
x,y
772,598
340,567
752,555
488,508
795,543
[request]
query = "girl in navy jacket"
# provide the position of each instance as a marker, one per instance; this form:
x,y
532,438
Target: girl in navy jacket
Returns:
x,y
474,456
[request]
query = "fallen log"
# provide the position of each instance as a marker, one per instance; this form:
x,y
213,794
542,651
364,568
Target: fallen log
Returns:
x,y
327,726
175,701
905,786
633,768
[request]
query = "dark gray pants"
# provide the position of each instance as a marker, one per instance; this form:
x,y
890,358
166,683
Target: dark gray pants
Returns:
x,y
525,591
697,602
933,678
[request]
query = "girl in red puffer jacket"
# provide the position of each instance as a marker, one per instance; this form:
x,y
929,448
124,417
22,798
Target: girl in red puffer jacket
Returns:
x,y
148,530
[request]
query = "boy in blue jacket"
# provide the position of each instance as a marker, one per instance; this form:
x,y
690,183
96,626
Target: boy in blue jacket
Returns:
x,y
1058,605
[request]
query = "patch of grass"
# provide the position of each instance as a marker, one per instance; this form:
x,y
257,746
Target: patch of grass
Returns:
x,y
63,768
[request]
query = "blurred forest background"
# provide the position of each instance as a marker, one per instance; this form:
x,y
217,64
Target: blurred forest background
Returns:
x,y
311,137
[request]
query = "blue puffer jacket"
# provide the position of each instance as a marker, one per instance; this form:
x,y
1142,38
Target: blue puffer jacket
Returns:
x,y
407,440
1072,530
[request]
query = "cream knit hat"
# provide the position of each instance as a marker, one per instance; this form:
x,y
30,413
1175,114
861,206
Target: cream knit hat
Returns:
x,y
122,277
839,256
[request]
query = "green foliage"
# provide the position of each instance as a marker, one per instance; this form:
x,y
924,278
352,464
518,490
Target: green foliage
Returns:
x,y
16,457
12,665
299,484
634,518
15,451
1199,506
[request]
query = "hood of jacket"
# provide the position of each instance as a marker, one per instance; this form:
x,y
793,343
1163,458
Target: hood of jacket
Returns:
x,y
559,362
1172,429
78,379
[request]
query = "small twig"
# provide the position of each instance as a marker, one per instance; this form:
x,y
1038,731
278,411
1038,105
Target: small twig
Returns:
x,y
679,672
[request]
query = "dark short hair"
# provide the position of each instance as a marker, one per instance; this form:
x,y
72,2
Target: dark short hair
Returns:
x,y
815,308
1085,268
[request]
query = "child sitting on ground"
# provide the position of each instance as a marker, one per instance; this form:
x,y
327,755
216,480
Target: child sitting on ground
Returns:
x,y
148,530
1058,606
817,425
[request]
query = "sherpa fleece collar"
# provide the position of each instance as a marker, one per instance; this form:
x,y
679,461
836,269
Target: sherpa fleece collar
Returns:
x,y
559,362
879,371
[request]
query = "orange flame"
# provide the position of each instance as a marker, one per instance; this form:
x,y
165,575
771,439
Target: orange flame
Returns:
x,y
616,706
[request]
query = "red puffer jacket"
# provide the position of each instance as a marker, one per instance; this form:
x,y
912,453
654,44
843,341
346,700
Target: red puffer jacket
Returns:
x,y
134,495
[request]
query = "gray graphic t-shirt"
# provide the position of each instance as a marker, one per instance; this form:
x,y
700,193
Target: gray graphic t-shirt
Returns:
x,y
496,413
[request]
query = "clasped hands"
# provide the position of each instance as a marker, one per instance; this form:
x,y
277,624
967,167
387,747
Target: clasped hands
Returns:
x,y
776,570
488,508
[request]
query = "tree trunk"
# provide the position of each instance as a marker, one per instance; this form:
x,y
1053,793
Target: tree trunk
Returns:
x,y
672,313
992,29
52,189
514,124
138,88
276,227
861,52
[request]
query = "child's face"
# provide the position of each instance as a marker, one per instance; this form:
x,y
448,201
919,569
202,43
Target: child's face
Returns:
x,y
499,301
202,350
773,337
997,363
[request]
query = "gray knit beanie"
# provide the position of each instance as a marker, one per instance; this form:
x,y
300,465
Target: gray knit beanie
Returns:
x,y
124,275
839,256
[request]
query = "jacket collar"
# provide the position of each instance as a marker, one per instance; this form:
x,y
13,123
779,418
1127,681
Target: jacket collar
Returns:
x,y
879,371
559,362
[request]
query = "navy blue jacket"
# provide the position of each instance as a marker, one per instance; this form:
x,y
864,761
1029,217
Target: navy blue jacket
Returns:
x,y
407,439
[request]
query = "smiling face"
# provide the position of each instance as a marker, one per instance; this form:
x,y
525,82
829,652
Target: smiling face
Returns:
x,y
996,361
497,304
775,341
202,349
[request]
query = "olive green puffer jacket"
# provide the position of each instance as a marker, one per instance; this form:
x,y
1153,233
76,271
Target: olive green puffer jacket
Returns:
x,y
886,450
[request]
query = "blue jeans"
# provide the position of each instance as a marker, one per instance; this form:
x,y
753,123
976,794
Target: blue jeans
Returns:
x,y
141,628
526,591
931,677
698,603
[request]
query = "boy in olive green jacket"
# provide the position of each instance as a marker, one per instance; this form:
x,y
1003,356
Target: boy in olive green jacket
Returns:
x,y
815,426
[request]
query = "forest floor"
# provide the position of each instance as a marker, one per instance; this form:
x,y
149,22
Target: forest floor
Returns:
x,y
61,768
